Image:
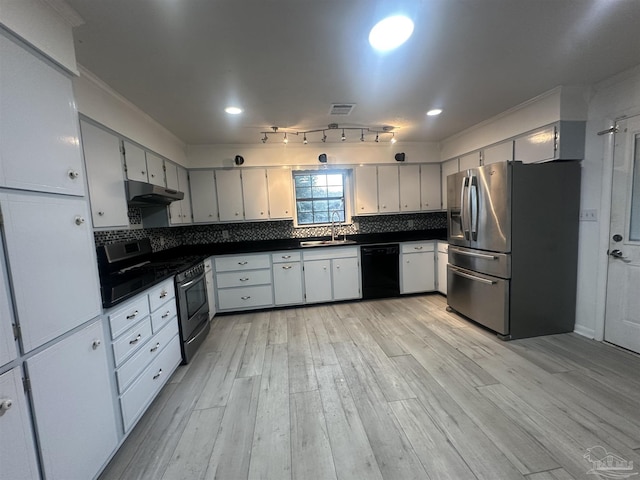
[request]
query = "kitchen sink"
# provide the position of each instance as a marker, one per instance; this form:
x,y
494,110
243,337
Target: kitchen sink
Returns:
x,y
325,243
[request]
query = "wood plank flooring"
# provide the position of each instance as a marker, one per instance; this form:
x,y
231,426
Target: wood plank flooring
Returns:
x,y
387,389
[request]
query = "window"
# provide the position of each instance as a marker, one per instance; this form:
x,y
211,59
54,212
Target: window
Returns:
x,y
318,195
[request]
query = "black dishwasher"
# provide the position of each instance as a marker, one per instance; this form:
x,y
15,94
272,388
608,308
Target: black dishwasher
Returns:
x,y
380,271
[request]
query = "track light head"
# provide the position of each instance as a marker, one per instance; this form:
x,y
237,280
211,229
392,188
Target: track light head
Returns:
x,y
377,138
304,140
343,137
285,140
324,137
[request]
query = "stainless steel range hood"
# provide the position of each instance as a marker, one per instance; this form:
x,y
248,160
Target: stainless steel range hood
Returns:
x,y
146,194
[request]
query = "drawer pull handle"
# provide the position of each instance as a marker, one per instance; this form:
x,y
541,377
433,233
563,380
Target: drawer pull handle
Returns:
x,y
417,248
133,315
96,343
246,297
244,279
135,340
164,294
287,267
166,314
286,256
79,220
242,263
157,375
153,349
73,174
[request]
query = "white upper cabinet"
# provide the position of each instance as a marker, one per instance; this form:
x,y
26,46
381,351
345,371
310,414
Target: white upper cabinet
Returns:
x,y
105,177
203,196
448,167
410,188
366,189
430,187
185,203
498,153
53,265
280,187
136,162
229,190
178,179
471,160
538,146
388,189
255,196
8,350
155,169
39,138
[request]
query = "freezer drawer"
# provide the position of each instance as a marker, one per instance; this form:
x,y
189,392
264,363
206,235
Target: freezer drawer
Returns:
x,y
489,263
482,298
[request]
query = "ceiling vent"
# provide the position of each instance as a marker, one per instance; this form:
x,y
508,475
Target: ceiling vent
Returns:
x,y
342,109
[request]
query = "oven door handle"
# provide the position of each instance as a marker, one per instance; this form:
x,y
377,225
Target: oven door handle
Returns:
x,y
191,282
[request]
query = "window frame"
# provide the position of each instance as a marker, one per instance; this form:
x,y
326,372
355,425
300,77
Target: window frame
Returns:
x,y
347,186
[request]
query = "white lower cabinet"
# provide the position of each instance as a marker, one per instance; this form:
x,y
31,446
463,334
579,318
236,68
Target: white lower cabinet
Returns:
x,y
417,263
317,281
211,287
287,278
17,449
346,278
72,402
441,267
331,274
243,282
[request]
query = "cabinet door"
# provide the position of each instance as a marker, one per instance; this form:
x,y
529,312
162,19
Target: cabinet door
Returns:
x,y
8,350
211,289
346,278
155,169
229,191
498,153
442,272
430,187
366,190
136,162
409,188
418,273
287,283
203,196
256,199
388,189
185,203
472,160
39,138
317,281
280,186
53,261
175,208
448,167
537,146
105,177
17,451
72,396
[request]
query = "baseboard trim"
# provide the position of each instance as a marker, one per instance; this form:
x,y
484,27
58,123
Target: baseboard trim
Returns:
x,y
585,332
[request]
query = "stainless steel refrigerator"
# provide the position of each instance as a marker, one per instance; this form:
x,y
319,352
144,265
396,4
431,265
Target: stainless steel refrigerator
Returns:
x,y
513,246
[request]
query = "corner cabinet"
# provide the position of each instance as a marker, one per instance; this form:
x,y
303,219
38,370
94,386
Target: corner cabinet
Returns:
x,y
72,398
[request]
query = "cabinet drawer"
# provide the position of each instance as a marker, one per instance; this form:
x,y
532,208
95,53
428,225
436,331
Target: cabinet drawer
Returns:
x,y
123,318
241,279
139,361
161,316
417,247
328,253
242,262
161,293
285,257
145,387
131,341
245,297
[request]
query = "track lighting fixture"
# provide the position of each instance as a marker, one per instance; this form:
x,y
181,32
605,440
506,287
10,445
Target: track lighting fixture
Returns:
x,y
333,126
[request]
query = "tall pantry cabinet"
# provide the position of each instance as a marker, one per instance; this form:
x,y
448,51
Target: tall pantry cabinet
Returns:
x,y
49,294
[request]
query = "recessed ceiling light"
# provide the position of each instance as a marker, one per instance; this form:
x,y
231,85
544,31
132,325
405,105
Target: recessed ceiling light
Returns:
x,y
390,33
434,112
233,110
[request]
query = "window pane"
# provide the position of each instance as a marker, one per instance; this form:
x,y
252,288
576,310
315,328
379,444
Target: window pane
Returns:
x,y
335,191
335,205
302,181
306,206
634,221
305,218
321,217
334,179
320,205
319,180
303,192
319,192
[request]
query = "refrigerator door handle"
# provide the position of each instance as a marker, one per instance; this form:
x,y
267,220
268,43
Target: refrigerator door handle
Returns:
x,y
457,271
473,197
473,254
464,204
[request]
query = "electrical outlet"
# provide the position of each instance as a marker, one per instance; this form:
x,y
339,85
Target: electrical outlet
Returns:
x,y
589,215
225,234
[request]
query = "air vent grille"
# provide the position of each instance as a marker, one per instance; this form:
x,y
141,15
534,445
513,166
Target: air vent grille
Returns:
x,y
342,109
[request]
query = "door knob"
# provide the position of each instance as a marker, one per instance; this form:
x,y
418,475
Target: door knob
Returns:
x,y
618,254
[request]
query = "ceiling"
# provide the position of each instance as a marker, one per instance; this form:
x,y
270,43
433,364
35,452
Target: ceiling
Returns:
x,y
286,61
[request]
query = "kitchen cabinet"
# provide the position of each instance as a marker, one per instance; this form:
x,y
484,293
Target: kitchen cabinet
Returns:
x,y
388,189
135,162
17,449
366,177
39,137
243,282
417,264
287,278
561,140
178,179
53,264
203,196
430,190
442,258
8,347
211,287
501,152
331,274
155,169
471,160
410,188
448,167
105,177
229,190
254,194
72,397
280,188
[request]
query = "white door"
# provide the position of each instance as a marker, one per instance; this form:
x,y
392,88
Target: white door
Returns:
x,y
287,283
317,281
175,208
203,196
229,190
136,162
430,187
73,404
388,189
185,203
366,190
622,319
280,187
418,272
537,146
346,278
256,199
155,169
409,188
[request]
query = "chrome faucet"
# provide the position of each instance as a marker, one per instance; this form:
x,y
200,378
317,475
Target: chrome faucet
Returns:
x,y
333,224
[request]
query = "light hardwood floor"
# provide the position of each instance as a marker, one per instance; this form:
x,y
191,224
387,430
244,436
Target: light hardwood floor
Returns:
x,y
389,389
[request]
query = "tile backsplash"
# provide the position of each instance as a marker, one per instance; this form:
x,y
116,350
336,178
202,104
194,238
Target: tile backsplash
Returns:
x,y
164,238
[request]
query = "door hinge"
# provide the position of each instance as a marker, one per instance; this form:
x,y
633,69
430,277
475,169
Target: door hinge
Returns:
x,y
122,149
555,139
26,383
17,333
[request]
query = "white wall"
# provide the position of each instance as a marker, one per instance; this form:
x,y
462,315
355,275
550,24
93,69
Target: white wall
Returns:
x,y
612,99
99,102
200,156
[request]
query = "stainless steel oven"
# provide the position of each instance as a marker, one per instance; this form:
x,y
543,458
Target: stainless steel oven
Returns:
x,y
193,309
